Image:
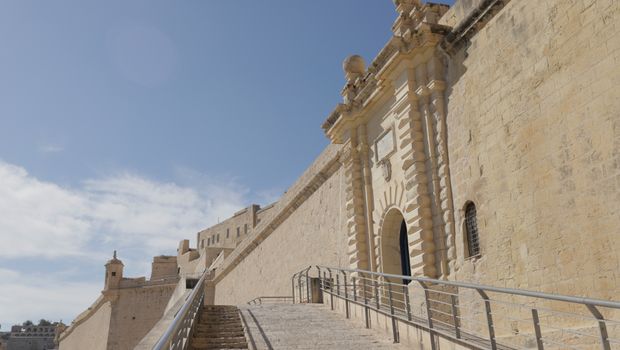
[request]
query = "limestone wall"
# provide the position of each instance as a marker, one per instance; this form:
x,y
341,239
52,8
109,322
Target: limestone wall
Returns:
x,y
312,232
135,312
534,142
163,266
229,232
89,332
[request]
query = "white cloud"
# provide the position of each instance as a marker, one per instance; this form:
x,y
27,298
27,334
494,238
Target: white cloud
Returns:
x,y
43,223
38,296
41,219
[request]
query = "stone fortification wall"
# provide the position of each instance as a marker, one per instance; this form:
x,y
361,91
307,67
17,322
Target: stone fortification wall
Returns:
x,y
163,266
534,142
230,232
135,312
305,227
90,329
460,10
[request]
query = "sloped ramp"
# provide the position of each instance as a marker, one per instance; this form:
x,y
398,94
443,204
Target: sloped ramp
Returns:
x,y
307,326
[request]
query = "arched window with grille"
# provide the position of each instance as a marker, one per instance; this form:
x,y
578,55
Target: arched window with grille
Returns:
x,y
471,230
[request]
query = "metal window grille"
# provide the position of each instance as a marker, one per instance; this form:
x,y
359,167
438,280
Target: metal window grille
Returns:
x,y
471,226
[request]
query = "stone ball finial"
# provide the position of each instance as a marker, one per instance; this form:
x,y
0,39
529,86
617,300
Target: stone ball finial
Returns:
x,y
354,66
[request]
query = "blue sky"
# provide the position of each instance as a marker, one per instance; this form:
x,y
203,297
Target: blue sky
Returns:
x,y
132,124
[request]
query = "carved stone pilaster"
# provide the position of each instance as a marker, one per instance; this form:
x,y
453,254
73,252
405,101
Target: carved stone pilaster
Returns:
x,y
364,149
356,219
418,213
446,205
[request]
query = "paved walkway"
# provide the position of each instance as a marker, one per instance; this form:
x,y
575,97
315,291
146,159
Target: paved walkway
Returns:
x,y
307,326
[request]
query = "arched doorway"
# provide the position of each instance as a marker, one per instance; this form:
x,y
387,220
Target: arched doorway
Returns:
x,y
395,246
405,262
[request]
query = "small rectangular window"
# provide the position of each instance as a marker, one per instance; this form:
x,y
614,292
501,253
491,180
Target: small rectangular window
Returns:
x,y
227,233
245,229
113,274
218,238
208,242
238,231
471,230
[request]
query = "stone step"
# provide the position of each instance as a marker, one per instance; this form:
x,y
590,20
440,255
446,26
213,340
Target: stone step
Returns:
x,y
220,324
207,315
218,318
220,308
202,340
215,346
236,314
220,327
218,331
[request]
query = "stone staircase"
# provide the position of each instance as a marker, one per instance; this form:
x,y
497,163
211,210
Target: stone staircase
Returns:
x,y
308,326
219,327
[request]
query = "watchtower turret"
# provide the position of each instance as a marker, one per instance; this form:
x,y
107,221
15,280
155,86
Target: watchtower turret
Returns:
x,y
113,273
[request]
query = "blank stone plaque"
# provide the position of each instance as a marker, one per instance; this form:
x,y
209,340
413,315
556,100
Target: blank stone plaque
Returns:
x,y
385,145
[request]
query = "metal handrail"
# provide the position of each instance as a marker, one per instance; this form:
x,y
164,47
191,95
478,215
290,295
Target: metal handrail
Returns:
x,y
449,314
180,330
512,291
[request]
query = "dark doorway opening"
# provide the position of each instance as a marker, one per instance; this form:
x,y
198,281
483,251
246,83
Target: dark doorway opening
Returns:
x,y
190,283
405,263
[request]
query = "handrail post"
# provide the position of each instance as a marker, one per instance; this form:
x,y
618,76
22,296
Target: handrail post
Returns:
x,y
429,314
299,285
320,282
407,303
487,306
536,320
354,288
366,311
377,295
293,286
455,318
601,326
309,300
394,324
331,289
323,282
346,294
338,284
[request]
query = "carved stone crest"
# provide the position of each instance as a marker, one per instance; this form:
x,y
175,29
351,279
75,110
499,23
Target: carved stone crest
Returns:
x,y
386,168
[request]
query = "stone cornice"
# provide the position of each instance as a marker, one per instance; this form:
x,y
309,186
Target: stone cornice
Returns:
x,y
415,29
472,24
